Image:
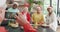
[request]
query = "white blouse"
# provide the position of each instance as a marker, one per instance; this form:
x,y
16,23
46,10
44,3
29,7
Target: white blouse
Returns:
x,y
52,21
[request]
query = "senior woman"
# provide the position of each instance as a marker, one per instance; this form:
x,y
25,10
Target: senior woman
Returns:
x,y
37,17
23,22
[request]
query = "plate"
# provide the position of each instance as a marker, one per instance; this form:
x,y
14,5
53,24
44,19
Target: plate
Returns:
x,y
45,25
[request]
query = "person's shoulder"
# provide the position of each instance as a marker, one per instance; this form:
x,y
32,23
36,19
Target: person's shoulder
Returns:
x,y
53,14
46,15
42,14
9,8
17,9
28,12
34,13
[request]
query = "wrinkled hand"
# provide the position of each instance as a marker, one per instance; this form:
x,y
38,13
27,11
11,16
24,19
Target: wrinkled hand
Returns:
x,y
2,14
40,23
20,19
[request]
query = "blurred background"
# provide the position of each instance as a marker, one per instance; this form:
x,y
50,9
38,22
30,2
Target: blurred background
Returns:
x,y
32,3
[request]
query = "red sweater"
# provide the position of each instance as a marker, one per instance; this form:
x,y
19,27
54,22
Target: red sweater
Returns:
x,y
29,28
28,16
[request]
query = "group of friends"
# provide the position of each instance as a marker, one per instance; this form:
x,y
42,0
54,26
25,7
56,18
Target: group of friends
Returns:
x,y
24,18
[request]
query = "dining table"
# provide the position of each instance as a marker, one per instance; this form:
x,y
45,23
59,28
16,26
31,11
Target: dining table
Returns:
x,y
39,29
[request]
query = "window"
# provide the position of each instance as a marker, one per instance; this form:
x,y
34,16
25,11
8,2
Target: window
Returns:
x,y
59,3
46,4
54,4
50,3
58,12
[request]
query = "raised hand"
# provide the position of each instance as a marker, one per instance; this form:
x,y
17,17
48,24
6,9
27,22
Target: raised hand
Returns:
x,y
2,14
21,19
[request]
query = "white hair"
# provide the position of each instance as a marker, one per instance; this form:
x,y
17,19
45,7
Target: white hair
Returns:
x,y
25,8
16,3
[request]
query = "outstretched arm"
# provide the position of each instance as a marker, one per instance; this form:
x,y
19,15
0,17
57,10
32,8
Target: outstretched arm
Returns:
x,y
26,25
21,19
2,14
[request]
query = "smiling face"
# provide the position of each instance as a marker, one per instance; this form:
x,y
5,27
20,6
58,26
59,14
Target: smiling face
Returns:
x,y
14,6
49,9
39,10
25,9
